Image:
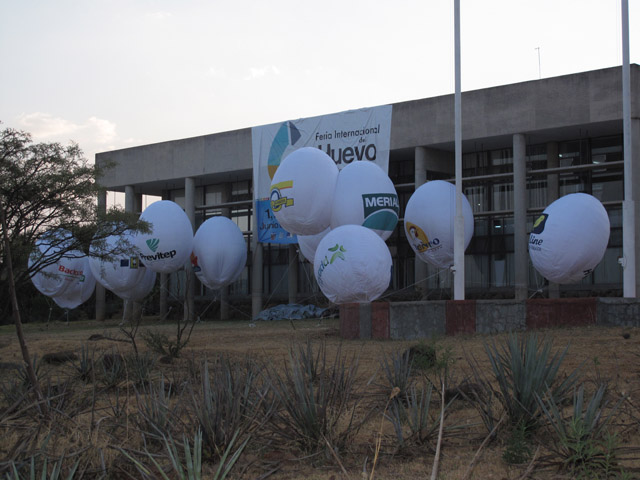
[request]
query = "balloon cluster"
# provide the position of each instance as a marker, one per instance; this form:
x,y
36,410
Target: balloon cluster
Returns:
x,y
127,264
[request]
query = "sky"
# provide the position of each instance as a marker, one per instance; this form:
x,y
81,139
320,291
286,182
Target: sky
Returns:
x,y
112,74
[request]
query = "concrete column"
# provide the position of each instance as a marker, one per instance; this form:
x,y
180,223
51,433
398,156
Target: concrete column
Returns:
x,y
164,284
100,290
635,194
190,279
292,273
129,206
224,291
420,175
256,267
520,239
428,159
553,191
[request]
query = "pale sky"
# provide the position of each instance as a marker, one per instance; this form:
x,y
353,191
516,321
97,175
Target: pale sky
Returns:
x,y
119,73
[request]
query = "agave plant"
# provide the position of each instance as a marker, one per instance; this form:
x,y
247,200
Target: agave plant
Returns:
x,y
524,369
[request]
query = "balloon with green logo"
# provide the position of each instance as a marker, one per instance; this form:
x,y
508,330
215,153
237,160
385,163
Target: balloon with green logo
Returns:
x,y
308,244
365,196
429,219
302,191
352,264
168,246
570,238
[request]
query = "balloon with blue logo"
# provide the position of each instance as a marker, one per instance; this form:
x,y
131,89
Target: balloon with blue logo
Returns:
x,y
168,246
569,238
352,264
302,191
219,252
79,290
62,266
365,196
429,222
121,271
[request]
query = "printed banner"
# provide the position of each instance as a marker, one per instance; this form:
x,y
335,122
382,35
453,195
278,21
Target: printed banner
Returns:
x,y
355,135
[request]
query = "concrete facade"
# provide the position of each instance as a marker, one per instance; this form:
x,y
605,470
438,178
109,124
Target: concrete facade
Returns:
x,y
511,118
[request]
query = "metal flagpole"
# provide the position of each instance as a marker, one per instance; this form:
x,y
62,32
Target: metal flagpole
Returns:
x,y
628,260
458,228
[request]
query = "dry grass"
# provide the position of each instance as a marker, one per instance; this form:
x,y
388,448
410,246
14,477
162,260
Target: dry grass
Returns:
x,y
92,429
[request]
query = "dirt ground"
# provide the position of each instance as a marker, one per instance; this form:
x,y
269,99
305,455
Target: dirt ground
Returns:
x,y
603,354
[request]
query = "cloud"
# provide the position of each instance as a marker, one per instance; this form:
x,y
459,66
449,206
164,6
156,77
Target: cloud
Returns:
x,y
161,15
46,127
215,72
260,72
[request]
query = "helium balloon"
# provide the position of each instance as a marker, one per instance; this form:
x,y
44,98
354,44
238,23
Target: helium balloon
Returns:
x,y
120,272
140,289
570,238
352,264
365,196
302,191
429,219
219,252
308,244
54,278
168,246
80,289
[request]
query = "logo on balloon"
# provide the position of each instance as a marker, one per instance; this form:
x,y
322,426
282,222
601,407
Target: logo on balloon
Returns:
x,y
277,199
538,226
194,263
153,243
419,239
338,251
381,211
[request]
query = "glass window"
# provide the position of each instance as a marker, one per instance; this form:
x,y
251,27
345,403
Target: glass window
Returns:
x,y
503,196
177,196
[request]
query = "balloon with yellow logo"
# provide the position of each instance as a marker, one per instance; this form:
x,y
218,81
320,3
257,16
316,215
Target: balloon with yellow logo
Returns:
x,y
302,191
429,219
352,264
569,239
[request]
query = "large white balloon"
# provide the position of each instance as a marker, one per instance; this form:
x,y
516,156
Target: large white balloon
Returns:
x,y
56,277
570,238
365,196
219,252
352,264
140,289
79,290
308,244
168,246
120,272
302,191
429,219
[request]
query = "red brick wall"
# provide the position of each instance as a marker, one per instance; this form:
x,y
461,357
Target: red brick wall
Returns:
x,y
350,321
380,327
572,312
460,317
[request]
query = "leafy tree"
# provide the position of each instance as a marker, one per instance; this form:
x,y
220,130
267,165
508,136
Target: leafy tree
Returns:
x,y
47,187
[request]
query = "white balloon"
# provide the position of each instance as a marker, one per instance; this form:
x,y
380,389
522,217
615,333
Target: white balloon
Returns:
x,y
55,278
429,219
365,196
302,191
308,244
352,264
121,272
219,252
140,289
168,246
570,238
80,289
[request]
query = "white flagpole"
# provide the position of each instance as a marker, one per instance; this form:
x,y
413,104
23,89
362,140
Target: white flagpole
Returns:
x,y
458,228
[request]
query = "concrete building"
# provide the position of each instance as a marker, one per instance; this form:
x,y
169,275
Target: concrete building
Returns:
x,y
524,145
